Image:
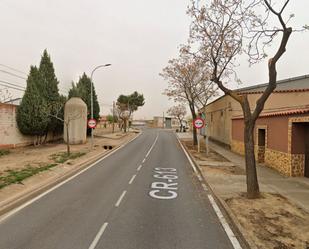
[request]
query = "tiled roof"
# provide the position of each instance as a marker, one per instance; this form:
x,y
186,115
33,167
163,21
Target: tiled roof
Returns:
x,y
280,113
276,91
295,83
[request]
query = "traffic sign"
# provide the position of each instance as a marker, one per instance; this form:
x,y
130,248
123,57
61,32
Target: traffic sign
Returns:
x,y
198,123
92,123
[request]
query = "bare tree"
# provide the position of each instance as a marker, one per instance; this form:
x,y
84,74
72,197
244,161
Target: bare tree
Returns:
x,y
178,111
223,30
5,95
189,82
66,122
123,115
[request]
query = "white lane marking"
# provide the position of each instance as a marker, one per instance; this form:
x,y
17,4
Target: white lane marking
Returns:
x,y
144,160
98,236
139,167
147,153
120,198
225,225
199,178
204,186
152,145
132,179
14,211
189,159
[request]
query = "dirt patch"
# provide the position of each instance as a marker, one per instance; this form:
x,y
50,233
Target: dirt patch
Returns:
x,y
230,170
272,221
212,157
202,155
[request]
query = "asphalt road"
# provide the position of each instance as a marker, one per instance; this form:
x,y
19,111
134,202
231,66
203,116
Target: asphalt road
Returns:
x,y
144,196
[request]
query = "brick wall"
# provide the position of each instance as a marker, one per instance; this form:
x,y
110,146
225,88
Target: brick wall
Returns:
x,y
10,136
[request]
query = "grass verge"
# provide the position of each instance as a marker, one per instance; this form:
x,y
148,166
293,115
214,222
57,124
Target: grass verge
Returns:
x,y
17,176
4,152
63,156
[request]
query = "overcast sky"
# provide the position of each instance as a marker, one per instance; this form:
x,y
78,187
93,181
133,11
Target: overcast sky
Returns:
x,y
137,37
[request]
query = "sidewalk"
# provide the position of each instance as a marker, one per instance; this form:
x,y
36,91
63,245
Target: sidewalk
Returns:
x,y
296,189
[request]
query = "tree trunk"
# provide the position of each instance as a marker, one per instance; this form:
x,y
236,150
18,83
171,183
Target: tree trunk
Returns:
x,y
68,139
180,124
45,137
194,136
194,129
251,174
125,125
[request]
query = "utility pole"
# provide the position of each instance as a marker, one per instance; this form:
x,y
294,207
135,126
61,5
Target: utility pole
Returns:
x,y
163,121
113,116
91,96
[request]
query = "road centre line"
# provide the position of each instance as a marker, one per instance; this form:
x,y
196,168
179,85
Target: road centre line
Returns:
x,y
199,178
144,160
225,225
204,186
132,179
120,198
98,236
139,167
14,211
152,145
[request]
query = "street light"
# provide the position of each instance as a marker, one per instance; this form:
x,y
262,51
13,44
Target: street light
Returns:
x,y
91,96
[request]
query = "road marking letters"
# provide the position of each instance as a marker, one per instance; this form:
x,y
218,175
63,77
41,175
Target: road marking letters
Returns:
x,y
163,190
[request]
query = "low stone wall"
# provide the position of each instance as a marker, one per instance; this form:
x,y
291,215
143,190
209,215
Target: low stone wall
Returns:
x,y
286,164
298,164
238,147
279,161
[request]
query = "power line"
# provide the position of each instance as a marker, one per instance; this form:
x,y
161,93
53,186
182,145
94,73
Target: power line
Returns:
x,y
13,74
13,69
12,87
13,84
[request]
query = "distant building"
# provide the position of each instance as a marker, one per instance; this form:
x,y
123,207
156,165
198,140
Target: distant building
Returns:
x,y
139,122
281,131
166,122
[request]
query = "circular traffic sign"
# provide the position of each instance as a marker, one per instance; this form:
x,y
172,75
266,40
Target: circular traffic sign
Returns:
x,y
92,123
198,123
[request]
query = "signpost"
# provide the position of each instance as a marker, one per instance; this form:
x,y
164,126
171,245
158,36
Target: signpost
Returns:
x,y
92,123
198,124
204,133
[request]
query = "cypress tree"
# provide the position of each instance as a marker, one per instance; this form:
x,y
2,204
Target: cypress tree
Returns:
x,y
49,90
83,90
32,114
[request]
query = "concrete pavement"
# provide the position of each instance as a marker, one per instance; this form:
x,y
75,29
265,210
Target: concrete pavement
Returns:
x,y
143,196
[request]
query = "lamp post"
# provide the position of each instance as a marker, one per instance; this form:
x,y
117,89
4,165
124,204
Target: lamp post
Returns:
x,y
91,96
